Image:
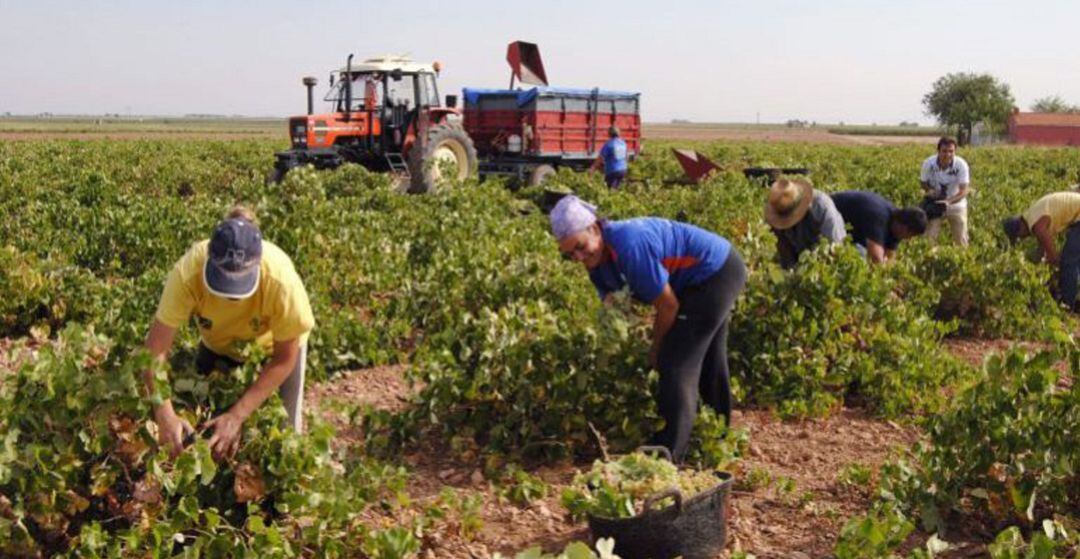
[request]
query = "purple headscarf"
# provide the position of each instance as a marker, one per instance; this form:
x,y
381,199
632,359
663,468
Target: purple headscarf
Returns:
x,y
570,216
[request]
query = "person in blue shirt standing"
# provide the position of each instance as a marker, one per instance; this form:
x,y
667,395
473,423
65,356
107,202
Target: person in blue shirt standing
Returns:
x,y
613,159
691,276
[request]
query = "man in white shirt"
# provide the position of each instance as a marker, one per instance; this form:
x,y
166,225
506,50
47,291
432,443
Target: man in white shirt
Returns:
x,y
946,179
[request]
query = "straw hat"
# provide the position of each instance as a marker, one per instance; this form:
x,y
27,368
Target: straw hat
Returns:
x,y
789,200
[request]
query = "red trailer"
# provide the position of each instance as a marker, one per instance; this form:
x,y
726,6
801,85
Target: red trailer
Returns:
x,y
530,133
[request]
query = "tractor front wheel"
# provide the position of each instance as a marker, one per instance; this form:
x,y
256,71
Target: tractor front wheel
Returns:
x,y
448,155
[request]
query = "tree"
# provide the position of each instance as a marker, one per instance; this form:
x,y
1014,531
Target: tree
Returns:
x,y
963,99
1053,104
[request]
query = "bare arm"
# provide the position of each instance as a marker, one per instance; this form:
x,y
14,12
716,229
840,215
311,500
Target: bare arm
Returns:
x,y
875,252
961,193
273,374
226,438
597,164
158,341
1041,231
667,307
171,429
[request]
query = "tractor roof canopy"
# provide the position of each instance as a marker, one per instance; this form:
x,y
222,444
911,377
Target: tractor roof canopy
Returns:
x,y
389,63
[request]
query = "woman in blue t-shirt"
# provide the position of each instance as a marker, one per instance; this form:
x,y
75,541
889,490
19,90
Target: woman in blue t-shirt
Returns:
x,y
691,276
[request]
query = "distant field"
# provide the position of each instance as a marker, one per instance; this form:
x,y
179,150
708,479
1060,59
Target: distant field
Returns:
x,y
28,128
861,130
134,127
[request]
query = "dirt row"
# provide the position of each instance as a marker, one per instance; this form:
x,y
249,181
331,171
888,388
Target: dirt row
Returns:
x,y
800,482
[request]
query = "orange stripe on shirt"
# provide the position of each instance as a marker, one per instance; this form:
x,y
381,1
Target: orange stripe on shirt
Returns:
x,y
673,263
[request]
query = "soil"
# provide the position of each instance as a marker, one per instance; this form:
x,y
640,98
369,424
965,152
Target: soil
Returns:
x,y
796,504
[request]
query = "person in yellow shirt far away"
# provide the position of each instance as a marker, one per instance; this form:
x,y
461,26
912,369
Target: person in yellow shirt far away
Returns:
x,y
239,288
1045,219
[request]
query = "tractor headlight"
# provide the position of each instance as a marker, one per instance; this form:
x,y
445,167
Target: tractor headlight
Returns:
x,y
298,133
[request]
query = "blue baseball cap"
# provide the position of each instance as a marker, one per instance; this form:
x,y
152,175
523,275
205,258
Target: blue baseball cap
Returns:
x,y
233,259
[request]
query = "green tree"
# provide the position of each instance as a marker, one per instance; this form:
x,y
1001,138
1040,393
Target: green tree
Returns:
x,y
1053,104
963,99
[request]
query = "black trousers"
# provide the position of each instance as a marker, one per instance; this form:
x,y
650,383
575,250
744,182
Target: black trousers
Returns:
x,y
693,356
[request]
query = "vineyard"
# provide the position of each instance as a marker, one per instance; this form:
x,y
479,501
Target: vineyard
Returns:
x,y
508,378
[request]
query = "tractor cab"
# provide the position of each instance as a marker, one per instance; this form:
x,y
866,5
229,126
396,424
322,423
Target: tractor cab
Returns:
x,y
394,90
383,112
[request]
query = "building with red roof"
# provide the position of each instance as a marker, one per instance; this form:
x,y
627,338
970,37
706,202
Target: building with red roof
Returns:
x,y
1048,129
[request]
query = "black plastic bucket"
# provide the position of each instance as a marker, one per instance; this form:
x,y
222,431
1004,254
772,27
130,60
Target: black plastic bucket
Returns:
x,y
694,528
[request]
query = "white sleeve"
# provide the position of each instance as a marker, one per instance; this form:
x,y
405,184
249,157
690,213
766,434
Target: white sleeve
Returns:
x,y
965,173
924,173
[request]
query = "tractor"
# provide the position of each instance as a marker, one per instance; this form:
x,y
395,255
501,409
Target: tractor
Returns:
x,y
387,116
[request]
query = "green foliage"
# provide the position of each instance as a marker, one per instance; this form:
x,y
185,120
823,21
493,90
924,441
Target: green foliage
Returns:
x,y
522,488
986,294
873,536
80,473
574,550
962,99
1002,452
1053,104
857,476
515,352
713,445
1046,543
836,329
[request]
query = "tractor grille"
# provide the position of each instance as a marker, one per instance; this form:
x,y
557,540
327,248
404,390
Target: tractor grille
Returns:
x,y
298,132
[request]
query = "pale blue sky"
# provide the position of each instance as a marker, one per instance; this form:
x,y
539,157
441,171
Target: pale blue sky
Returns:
x,y
855,61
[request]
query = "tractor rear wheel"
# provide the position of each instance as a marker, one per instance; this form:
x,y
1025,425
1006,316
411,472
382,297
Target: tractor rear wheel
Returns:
x,y
448,155
540,173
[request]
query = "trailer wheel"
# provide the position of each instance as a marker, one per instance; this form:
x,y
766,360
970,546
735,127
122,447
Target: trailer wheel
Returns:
x,y
539,174
448,155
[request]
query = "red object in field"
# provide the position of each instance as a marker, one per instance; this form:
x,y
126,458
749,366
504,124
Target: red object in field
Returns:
x,y
525,63
1050,129
694,164
564,126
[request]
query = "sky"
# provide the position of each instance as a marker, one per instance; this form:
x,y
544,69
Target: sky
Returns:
x,y
856,61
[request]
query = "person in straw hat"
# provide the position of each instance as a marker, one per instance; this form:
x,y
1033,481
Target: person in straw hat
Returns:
x,y
800,217
692,278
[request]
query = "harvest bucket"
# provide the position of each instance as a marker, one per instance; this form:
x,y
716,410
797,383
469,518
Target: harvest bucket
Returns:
x,y
694,528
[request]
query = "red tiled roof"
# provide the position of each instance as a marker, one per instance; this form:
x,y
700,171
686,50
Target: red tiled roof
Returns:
x,y
1046,119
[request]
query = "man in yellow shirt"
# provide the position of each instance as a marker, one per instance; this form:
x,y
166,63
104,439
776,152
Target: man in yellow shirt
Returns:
x,y
1045,219
239,288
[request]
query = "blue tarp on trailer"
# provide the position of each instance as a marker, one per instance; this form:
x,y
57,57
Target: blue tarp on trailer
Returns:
x,y
524,96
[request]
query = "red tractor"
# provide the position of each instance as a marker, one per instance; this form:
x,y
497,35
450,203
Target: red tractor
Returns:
x,y
387,117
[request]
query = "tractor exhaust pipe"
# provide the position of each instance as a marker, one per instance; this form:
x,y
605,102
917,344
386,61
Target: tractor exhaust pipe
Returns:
x,y
310,83
348,86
